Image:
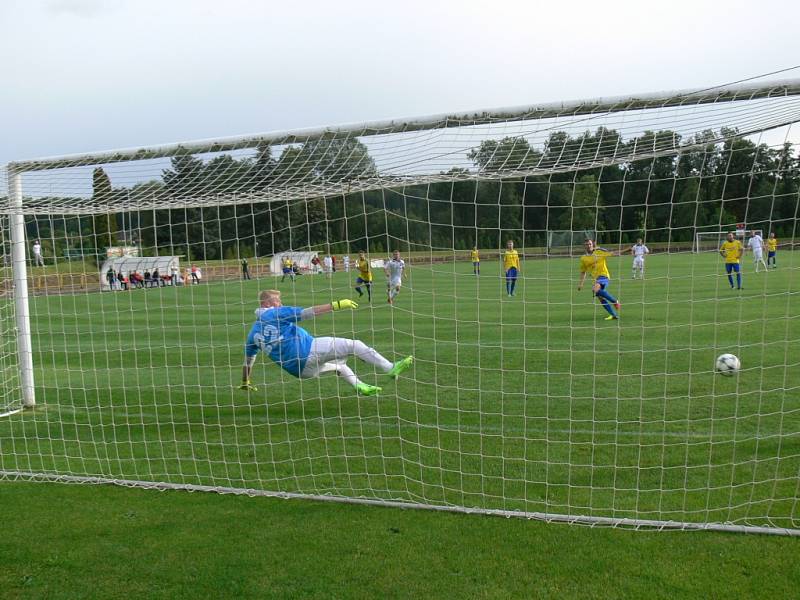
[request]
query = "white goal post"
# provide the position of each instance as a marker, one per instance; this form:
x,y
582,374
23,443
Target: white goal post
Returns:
x,y
528,393
569,241
705,241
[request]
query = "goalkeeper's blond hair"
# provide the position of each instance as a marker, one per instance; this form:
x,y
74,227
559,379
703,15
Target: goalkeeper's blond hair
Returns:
x,y
269,295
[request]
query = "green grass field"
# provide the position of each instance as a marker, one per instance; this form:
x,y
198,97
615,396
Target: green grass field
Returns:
x,y
532,403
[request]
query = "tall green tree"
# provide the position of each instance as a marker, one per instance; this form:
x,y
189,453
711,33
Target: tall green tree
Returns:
x,y
508,154
338,159
583,210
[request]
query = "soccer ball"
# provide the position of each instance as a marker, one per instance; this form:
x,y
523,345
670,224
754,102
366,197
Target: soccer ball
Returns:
x,y
727,364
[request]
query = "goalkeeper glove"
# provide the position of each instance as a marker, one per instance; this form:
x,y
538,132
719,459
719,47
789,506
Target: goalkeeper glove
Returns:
x,y
248,387
342,304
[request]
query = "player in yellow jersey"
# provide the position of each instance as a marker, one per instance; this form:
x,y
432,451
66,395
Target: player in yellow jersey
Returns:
x,y
364,276
732,250
475,257
511,267
287,268
772,251
594,263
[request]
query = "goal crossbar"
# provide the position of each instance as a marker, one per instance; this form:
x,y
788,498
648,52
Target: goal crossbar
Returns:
x,y
697,96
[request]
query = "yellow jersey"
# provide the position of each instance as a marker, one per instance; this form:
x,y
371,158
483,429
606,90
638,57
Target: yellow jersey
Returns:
x,y
595,263
474,256
364,270
772,244
287,262
732,251
511,260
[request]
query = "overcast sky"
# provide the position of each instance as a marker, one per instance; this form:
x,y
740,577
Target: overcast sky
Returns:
x,y
82,75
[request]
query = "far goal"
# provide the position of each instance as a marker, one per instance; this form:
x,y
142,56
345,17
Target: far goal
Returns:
x,y
705,241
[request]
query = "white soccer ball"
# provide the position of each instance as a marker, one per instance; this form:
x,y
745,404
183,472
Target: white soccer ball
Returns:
x,y
727,364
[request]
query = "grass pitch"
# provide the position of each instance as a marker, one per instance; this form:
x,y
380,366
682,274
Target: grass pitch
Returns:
x,y
531,403
107,542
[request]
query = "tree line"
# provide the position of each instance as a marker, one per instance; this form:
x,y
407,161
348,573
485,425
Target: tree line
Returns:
x,y
702,182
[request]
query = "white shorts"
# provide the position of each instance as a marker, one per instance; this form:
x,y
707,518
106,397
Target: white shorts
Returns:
x,y
395,283
638,261
758,254
326,354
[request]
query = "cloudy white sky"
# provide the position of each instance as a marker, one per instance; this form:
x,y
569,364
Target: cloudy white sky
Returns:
x,y
82,75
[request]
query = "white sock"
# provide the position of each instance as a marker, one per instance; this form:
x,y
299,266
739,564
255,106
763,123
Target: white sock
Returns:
x,y
347,374
369,355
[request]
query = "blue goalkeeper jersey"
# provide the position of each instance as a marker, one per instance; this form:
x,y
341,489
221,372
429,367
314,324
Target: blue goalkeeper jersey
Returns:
x,y
276,333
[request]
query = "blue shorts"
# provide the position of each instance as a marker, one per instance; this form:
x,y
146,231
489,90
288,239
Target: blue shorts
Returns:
x,y
770,254
731,267
287,271
359,280
602,281
511,273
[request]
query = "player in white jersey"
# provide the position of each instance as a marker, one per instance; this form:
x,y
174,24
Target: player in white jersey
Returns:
x,y
756,244
395,270
639,251
327,265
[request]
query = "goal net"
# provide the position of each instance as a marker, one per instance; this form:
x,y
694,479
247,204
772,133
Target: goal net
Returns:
x,y
526,395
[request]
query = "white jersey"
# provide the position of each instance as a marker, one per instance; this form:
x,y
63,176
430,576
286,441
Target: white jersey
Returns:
x,y
395,268
756,243
640,251
327,262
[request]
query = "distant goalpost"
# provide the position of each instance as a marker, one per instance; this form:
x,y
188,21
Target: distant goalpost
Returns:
x,y
569,241
712,240
529,405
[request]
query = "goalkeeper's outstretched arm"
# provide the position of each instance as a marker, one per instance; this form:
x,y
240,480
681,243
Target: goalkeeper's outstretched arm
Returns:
x,y
248,366
321,309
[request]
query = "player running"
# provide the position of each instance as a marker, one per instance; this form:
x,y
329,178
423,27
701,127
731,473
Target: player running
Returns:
x,y
395,270
639,251
772,250
297,352
732,250
364,276
756,244
594,262
475,257
511,267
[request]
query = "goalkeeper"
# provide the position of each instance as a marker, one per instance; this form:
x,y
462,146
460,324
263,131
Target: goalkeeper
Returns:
x,y
292,348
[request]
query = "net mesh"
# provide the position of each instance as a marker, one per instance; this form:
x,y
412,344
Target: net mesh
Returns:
x,y
530,403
